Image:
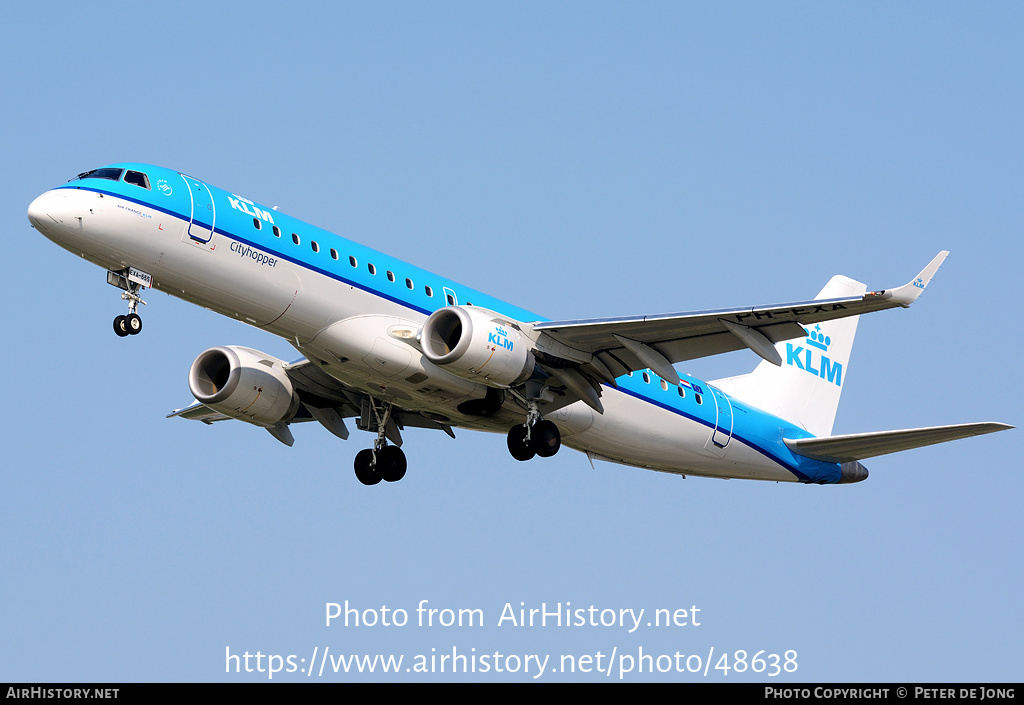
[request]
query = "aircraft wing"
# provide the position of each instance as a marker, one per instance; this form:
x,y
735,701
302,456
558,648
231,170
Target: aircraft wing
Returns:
x,y
858,446
325,399
625,344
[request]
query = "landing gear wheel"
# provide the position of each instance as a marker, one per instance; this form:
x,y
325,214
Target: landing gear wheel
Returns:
x,y
119,327
517,444
366,470
133,323
545,440
391,463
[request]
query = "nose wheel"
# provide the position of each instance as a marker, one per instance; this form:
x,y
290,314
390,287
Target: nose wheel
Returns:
x,y
128,325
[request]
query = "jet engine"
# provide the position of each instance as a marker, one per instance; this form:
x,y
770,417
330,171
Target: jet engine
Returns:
x,y
244,384
477,344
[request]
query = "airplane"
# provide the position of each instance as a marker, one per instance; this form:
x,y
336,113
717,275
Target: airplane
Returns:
x,y
392,346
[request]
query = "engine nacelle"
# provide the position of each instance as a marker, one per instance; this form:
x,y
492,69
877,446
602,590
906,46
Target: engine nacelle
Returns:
x,y
477,344
244,384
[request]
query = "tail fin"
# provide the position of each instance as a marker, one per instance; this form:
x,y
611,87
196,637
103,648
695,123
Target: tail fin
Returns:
x,y
805,389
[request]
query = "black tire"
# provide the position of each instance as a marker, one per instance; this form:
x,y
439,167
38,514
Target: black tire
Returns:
x,y
391,463
517,444
366,472
119,327
545,440
133,323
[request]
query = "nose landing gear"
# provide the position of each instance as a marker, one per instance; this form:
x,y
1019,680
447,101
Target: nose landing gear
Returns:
x,y
131,280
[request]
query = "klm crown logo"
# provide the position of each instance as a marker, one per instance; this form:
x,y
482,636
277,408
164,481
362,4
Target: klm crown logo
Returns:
x,y
815,363
818,339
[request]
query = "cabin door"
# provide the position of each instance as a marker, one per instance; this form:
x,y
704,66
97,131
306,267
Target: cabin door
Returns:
x,y
200,227
722,434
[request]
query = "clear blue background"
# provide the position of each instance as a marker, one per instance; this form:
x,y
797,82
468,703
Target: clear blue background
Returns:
x,y
576,159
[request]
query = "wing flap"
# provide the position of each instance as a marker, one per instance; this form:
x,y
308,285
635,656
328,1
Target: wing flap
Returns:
x,y
859,446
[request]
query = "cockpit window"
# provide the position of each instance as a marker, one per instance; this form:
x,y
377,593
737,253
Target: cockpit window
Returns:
x,y
105,173
137,178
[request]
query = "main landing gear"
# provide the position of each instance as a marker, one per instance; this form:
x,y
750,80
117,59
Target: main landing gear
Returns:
x,y
536,437
383,461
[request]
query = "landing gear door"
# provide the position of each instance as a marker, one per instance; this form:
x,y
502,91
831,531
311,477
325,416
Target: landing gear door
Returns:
x,y
203,218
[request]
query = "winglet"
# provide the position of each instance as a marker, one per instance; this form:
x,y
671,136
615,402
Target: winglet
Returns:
x,y
908,293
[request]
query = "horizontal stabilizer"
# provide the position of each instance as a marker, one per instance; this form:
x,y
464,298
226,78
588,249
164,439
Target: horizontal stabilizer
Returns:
x,y
858,446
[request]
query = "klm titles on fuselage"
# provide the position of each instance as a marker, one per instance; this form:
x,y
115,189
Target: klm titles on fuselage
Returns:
x,y
249,208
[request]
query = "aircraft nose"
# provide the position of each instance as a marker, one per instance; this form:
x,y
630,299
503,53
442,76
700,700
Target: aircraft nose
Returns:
x,y
40,211
37,209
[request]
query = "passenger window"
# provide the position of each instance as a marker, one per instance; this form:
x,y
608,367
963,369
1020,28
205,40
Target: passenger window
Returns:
x,y
647,378
430,292
314,245
256,223
682,392
408,283
391,276
664,385
352,261
373,270
137,178
451,300
697,397
334,253
295,238
277,231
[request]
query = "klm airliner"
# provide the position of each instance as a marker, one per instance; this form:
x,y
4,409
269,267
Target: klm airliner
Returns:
x,y
392,346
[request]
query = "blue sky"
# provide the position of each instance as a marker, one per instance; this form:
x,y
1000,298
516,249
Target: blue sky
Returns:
x,y
578,160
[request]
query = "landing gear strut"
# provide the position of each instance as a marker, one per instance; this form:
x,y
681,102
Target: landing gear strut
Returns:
x,y
383,461
536,437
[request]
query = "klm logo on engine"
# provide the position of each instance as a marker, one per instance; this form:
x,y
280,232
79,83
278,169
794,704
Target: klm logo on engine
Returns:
x,y
247,206
812,358
500,338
